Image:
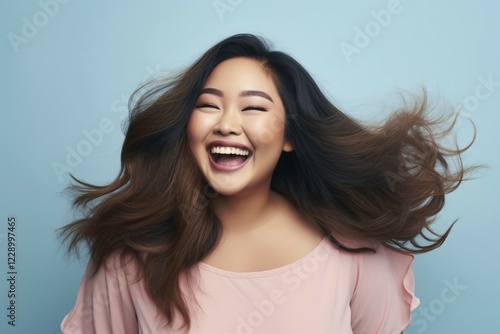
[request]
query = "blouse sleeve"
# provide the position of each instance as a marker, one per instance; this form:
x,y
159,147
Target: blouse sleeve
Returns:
x,y
103,304
383,295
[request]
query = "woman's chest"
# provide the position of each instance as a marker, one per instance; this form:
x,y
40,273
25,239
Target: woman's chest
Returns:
x,y
296,301
309,296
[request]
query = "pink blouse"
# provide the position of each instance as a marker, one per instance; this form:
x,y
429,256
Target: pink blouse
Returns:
x,y
327,291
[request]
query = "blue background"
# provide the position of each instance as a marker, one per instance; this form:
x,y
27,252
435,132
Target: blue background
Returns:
x,y
72,72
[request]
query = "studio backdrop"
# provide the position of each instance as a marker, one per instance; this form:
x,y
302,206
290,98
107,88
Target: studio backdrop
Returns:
x,y
69,67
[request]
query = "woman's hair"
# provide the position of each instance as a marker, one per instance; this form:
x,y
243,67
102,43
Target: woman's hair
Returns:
x,y
383,184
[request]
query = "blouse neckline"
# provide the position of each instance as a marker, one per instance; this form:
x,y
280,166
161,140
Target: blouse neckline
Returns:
x,y
263,273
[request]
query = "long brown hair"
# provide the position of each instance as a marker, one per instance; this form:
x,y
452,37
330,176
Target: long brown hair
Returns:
x,y
379,183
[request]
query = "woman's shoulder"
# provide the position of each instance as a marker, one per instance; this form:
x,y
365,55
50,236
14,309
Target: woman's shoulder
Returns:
x,y
383,286
106,298
374,257
378,267
118,266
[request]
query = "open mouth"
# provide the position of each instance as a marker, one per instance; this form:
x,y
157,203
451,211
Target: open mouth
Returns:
x,y
229,156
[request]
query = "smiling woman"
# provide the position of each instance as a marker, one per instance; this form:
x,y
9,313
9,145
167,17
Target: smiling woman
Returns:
x,y
228,117
248,203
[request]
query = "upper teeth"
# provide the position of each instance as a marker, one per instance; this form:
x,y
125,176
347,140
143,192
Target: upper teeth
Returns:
x,y
229,150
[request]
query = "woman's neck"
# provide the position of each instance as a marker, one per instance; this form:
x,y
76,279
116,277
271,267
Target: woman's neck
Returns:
x,y
243,214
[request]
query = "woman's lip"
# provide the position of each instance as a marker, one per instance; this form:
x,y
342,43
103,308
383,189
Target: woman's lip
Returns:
x,y
224,168
227,144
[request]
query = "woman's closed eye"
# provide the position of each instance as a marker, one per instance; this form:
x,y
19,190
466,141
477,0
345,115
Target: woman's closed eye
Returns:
x,y
207,105
255,108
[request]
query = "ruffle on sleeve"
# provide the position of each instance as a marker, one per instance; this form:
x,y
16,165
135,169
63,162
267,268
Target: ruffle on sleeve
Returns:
x,y
405,261
383,295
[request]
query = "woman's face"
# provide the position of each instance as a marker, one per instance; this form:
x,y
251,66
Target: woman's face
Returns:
x,y
236,131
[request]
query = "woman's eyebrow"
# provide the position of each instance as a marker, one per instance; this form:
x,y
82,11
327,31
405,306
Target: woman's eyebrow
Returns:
x,y
256,93
244,93
212,91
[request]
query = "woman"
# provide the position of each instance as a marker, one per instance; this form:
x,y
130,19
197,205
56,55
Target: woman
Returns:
x,y
247,203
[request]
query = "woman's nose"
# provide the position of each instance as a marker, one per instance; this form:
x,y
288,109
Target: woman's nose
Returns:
x,y
229,123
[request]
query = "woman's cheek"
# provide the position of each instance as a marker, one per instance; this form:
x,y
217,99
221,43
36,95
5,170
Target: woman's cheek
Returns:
x,y
269,130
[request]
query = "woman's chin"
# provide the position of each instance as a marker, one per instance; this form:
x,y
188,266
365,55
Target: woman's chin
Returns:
x,y
226,191
226,184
